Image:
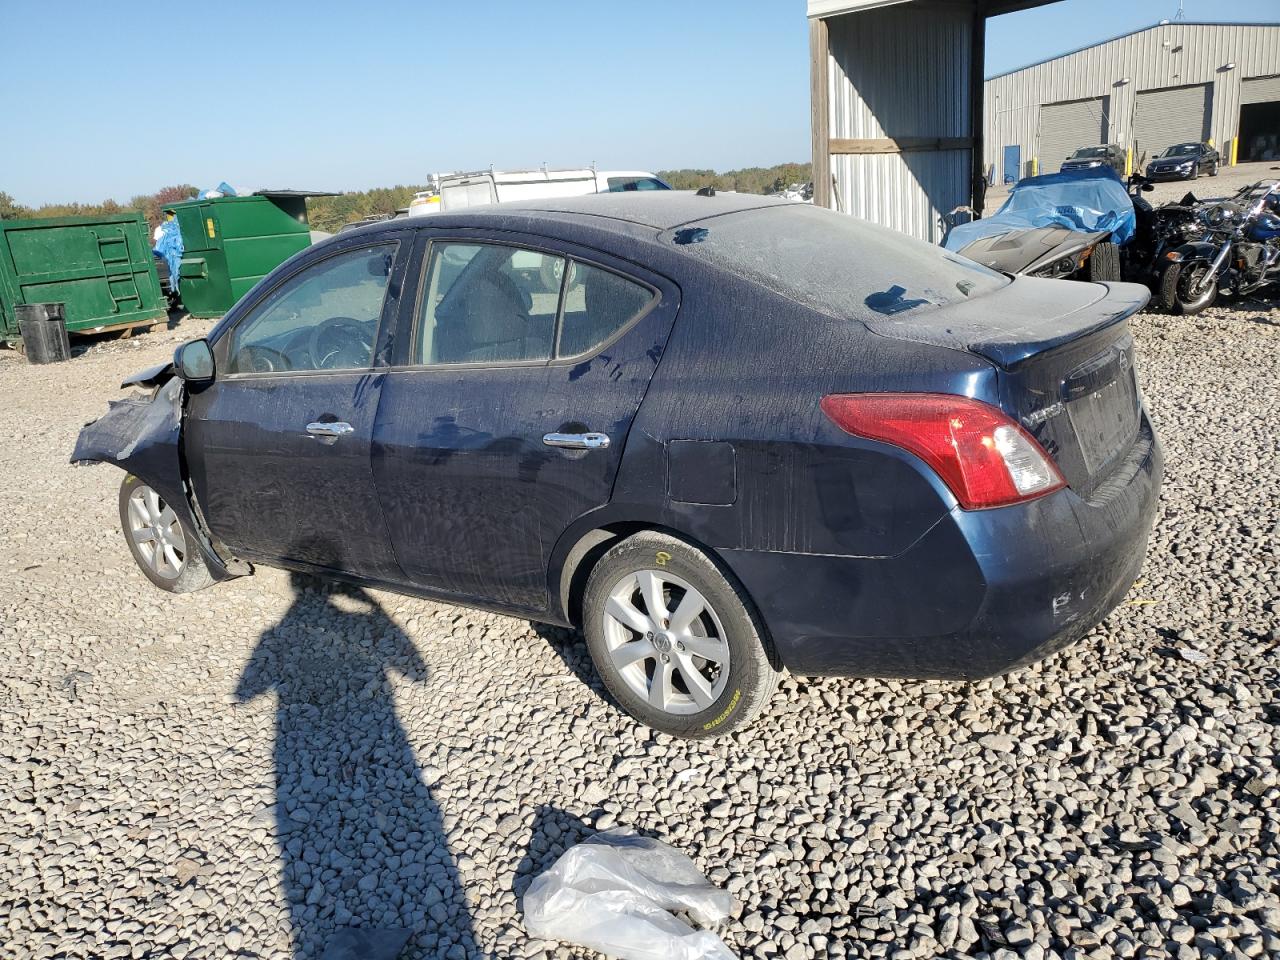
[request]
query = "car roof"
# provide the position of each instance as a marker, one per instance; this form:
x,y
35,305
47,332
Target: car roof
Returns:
x,y
633,214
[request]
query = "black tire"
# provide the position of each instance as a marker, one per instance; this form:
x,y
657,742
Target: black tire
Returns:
x,y
1175,295
1213,170
753,668
191,574
1103,264
1195,172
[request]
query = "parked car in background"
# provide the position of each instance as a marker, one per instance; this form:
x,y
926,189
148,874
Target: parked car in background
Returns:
x,y
456,191
1089,158
716,447
1184,161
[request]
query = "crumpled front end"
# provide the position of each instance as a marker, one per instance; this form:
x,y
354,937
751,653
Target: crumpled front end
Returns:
x,y
142,435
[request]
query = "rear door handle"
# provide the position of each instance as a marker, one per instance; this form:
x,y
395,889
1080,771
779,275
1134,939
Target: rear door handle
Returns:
x,y
329,432
577,441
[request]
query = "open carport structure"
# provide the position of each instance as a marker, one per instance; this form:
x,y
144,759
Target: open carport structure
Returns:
x,y
897,93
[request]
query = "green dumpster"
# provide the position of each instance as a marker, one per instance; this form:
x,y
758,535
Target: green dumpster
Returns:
x,y
230,243
100,267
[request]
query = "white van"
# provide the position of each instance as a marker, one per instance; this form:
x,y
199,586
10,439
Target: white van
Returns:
x,y
458,190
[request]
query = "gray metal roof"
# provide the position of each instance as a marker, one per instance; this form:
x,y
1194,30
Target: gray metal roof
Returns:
x,y
1130,33
991,8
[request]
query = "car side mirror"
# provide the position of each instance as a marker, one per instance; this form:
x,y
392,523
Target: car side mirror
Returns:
x,y
193,361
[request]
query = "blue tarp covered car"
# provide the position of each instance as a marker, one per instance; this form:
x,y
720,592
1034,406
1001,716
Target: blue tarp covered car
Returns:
x,y
1054,225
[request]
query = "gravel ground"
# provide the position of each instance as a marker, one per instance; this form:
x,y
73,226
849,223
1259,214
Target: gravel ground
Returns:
x,y
242,771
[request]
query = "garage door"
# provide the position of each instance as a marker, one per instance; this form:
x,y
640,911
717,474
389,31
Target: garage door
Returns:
x,y
1169,116
1065,127
1260,119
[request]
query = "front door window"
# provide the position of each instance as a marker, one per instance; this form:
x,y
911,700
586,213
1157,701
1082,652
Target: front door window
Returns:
x,y
323,318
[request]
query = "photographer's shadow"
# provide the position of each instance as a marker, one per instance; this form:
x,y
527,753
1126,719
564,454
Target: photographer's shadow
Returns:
x,y
366,866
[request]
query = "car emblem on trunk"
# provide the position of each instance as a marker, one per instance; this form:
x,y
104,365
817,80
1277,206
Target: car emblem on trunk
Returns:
x,y
1037,417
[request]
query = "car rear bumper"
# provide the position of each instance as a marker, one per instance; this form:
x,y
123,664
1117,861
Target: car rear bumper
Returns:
x,y
981,593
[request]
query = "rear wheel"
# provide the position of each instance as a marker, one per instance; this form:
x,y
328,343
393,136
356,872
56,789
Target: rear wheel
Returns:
x,y
675,638
1104,263
164,549
1178,291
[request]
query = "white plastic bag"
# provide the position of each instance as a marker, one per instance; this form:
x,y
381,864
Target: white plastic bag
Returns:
x,y
613,892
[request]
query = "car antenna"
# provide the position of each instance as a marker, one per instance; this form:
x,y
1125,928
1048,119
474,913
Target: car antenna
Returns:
x,y
706,192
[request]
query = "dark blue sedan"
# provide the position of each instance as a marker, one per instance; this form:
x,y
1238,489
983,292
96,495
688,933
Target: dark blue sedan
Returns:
x,y
724,435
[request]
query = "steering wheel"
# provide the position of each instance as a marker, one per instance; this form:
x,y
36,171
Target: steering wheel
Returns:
x,y
259,359
342,333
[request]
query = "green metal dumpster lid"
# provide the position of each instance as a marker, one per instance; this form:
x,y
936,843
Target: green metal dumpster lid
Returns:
x,y
297,193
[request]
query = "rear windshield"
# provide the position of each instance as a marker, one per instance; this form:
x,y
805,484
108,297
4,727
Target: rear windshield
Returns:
x,y
834,263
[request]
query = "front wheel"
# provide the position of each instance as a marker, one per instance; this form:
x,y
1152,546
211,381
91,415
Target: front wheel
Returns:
x,y
164,549
675,638
1178,288
1103,264
1213,170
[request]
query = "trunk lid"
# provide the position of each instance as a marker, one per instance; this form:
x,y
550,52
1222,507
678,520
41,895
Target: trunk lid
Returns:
x,y
1065,359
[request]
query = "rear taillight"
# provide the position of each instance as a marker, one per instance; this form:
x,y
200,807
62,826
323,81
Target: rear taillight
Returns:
x,y
986,458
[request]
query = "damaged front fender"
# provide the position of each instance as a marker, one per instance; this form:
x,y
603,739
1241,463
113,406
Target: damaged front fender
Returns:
x,y
143,436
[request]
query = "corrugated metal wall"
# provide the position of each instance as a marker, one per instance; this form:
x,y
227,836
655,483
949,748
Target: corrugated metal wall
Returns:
x,y
1169,55
893,73
1260,89
1162,118
1064,127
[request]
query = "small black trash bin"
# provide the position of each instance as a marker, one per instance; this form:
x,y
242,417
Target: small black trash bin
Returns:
x,y
44,331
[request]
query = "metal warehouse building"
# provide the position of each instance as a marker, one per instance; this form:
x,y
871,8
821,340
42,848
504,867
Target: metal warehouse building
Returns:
x,y
1144,91
896,90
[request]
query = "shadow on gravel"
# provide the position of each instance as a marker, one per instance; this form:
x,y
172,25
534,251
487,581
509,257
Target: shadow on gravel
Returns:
x,y
366,865
571,648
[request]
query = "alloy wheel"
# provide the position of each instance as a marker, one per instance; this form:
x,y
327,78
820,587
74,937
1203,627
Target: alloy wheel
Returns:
x,y
157,533
666,642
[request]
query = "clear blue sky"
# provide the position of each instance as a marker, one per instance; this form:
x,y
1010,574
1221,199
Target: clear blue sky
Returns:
x,y
112,99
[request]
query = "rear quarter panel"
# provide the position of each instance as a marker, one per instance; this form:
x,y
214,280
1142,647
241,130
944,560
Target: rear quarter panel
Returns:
x,y
748,368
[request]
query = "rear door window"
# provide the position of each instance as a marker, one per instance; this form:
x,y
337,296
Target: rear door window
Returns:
x,y
597,304
488,303
492,303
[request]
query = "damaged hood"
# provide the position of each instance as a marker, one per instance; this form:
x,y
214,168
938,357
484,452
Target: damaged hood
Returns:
x,y
150,377
1086,201
132,425
1027,251
142,434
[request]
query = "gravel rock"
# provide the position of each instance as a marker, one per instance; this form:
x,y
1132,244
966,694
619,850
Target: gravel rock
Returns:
x,y
258,767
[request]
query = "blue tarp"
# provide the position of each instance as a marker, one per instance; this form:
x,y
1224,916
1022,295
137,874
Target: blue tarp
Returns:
x,y
170,247
1084,200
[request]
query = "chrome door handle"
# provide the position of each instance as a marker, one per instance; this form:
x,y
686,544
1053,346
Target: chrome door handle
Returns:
x,y
329,433
577,441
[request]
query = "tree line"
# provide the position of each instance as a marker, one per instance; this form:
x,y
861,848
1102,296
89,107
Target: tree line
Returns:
x,y
330,213
747,180
151,205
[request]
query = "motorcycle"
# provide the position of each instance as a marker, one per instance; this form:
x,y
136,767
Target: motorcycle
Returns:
x,y
1157,229
1238,251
